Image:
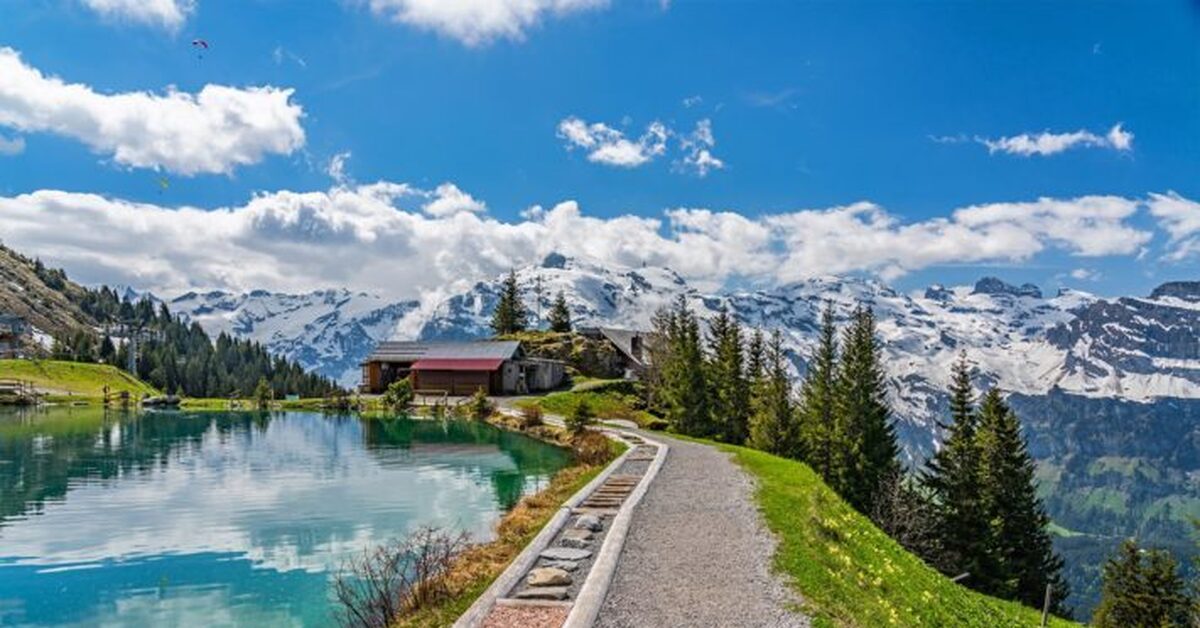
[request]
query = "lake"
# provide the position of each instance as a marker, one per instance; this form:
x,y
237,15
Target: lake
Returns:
x,y
229,518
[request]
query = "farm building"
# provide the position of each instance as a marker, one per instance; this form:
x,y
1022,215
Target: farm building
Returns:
x,y
630,345
14,334
499,367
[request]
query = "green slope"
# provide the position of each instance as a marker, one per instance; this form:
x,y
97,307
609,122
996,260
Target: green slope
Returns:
x,y
848,571
73,378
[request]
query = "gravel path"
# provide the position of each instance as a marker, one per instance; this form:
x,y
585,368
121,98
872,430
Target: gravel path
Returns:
x,y
697,553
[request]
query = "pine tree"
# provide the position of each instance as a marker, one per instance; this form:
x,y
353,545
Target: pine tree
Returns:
x,y
730,392
867,439
1142,589
560,315
952,476
510,315
680,384
755,357
773,424
1019,539
817,412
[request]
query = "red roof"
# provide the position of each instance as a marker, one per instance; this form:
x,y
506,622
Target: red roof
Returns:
x,y
457,364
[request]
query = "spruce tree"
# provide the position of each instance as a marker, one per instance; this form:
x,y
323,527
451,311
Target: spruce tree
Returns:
x,y
729,390
684,387
867,439
817,413
772,424
952,476
1142,589
755,357
560,315
510,315
1020,542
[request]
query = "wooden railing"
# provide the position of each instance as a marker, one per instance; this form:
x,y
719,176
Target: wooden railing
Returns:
x,y
21,390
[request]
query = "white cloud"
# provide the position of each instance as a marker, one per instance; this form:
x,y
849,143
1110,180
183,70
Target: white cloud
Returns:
x,y
297,241
697,147
212,131
1180,218
478,22
449,200
608,146
167,14
336,168
1084,274
693,101
15,146
1047,143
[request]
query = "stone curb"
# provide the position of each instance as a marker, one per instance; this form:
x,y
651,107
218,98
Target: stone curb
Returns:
x,y
516,570
595,588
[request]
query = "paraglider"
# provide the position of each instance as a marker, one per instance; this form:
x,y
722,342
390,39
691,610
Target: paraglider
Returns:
x,y
200,46
163,184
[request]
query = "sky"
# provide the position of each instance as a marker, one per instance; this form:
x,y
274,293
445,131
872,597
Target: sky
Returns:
x,y
403,146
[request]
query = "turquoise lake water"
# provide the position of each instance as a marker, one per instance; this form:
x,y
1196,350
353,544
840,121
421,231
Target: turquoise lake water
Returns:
x,y
229,519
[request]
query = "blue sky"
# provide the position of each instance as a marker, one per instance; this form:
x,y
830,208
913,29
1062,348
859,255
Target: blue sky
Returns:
x,y
811,106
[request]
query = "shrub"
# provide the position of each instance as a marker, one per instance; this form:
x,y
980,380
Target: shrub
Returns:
x,y
399,395
262,394
480,406
581,417
592,448
531,416
387,582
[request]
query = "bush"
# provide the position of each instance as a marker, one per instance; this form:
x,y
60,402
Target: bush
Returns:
x,y
390,581
262,394
399,395
592,448
531,416
480,407
581,417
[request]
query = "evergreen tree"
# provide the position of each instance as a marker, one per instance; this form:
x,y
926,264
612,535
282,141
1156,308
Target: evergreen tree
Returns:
x,y
755,357
729,390
560,315
683,387
867,438
817,411
1142,589
773,423
953,478
510,315
1019,539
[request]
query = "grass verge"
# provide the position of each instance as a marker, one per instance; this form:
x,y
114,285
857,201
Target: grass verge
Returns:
x,y
74,379
605,404
848,571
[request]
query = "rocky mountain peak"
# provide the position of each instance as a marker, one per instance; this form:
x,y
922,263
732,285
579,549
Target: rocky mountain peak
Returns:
x,y
1185,290
993,285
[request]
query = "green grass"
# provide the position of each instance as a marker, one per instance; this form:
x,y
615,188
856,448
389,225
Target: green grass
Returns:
x,y
74,378
848,571
605,404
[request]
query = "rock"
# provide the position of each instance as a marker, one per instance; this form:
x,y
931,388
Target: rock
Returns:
x,y
589,522
542,593
565,553
565,565
547,577
578,538
576,543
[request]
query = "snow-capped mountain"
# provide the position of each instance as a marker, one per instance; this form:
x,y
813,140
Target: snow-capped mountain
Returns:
x,y
1135,349
327,331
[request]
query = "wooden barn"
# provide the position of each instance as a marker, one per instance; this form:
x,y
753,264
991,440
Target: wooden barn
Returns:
x,y
499,367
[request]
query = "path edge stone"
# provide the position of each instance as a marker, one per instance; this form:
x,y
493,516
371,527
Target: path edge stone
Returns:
x,y
512,575
591,596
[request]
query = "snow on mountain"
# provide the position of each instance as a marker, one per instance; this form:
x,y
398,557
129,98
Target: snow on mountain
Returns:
x,y
327,331
1135,349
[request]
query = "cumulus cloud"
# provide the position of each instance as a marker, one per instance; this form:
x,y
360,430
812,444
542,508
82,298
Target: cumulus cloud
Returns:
x,y
167,14
1180,218
213,131
609,146
478,22
1047,143
1084,274
449,200
296,241
697,148
14,146
336,168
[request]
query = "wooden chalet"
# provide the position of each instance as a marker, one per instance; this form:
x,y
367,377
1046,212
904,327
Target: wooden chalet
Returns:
x,y
499,367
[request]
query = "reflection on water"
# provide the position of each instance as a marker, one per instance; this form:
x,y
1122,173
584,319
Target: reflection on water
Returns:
x,y
171,518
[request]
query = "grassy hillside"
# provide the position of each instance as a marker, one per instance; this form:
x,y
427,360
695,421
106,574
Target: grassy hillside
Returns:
x,y
73,378
848,571
42,296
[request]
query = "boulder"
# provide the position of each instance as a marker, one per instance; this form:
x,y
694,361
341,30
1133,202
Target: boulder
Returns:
x,y
547,577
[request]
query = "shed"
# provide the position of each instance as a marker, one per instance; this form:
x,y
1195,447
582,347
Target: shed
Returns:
x,y
499,367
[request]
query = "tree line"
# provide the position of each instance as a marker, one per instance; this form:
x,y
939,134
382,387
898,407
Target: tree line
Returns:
x,y
971,509
179,357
